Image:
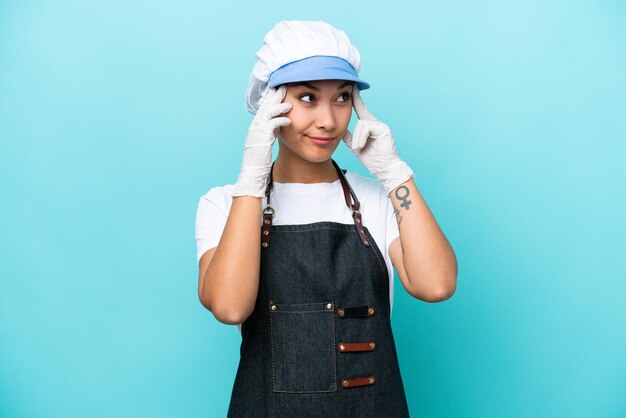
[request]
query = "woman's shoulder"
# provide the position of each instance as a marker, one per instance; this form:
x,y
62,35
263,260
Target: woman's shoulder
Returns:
x,y
220,196
365,185
375,204
354,176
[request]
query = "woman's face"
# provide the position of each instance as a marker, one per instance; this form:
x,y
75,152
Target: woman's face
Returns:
x,y
319,118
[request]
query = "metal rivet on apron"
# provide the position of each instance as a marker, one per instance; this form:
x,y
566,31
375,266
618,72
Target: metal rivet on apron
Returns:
x,y
265,244
370,380
266,232
267,221
366,242
345,383
358,220
361,231
371,311
273,307
329,306
342,347
340,312
372,345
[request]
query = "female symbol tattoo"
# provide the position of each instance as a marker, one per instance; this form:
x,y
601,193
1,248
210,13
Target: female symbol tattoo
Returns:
x,y
405,202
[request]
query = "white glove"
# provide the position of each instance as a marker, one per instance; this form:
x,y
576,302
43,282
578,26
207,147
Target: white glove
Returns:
x,y
374,146
257,153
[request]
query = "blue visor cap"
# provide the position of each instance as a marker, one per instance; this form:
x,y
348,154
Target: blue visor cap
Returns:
x,y
316,68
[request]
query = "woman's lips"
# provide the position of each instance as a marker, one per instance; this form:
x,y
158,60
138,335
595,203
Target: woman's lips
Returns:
x,y
320,140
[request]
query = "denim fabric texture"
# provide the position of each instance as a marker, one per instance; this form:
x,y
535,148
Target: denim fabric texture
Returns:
x,y
303,361
290,365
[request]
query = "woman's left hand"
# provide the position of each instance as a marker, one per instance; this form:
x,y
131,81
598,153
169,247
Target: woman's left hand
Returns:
x,y
374,145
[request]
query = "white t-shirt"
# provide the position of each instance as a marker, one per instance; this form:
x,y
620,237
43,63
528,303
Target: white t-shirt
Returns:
x,y
299,203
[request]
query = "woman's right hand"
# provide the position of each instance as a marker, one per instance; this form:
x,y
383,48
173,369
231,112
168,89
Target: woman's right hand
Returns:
x,y
257,154
228,281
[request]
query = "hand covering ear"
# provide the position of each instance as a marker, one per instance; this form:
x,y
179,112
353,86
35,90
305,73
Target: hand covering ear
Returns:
x,y
257,153
374,146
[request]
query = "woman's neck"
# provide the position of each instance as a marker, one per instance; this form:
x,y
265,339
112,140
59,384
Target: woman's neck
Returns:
x,y
291,170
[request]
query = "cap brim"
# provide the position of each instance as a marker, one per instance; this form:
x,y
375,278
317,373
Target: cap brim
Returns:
x,y
315,69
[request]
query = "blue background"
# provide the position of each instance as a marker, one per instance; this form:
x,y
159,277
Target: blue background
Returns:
x,y
116,116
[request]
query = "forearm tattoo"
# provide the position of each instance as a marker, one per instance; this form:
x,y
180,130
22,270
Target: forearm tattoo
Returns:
x,y
402,193
398,216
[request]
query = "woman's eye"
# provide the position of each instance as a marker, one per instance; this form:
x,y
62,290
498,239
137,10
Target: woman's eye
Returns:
x,y
308,98
345,97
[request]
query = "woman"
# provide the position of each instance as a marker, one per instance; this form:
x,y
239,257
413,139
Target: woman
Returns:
x,y
313,288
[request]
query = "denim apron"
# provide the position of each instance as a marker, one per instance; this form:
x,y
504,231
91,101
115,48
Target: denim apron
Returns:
x,y
319,341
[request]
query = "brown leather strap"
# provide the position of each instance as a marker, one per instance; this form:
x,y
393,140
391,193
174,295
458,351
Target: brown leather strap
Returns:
x,y
268,213
357,381
351,201
362,346
356,215
346,190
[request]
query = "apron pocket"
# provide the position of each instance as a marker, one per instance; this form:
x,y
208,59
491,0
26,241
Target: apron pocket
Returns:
x,y
303,347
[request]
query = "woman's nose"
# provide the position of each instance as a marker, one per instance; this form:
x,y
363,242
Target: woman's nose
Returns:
x,y
326,117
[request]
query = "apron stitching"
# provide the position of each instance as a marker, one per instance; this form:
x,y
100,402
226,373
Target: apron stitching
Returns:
x,y
380,264
298,312
272,349
308,391
334,340
313,229
334,352
334,337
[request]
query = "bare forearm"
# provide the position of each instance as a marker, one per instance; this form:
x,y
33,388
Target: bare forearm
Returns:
x,y
428,258
231,282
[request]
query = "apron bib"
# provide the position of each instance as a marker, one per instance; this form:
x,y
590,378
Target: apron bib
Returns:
x,y
319,341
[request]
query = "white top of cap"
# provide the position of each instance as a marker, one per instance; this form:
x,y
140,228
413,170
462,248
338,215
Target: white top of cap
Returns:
x,y
293,40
